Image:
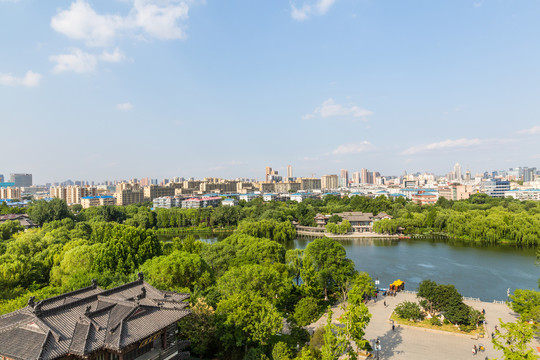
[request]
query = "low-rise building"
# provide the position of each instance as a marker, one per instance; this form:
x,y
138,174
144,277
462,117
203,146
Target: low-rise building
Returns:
x,y
89,201
23,219
132,321
249,197
523,194
196,203
495,188
229,202
423,197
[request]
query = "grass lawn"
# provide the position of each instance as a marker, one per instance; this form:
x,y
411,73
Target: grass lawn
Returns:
x,y
427,325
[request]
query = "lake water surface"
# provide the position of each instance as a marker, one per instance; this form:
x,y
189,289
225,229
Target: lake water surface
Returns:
x,y
484,272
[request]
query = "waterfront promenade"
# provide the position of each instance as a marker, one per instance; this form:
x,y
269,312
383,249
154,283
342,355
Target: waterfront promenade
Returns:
x,y
407,342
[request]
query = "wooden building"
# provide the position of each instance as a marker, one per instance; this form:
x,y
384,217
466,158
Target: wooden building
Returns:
x,y
132,321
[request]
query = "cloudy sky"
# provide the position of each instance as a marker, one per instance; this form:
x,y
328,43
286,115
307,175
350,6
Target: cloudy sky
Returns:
x,y
112,89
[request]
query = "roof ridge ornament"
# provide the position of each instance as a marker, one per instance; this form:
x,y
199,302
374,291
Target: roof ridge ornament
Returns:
x,y
140,276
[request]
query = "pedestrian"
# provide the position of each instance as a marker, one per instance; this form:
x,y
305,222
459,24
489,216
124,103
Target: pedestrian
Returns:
x,y
496,328
384,303
492,334
393,326
484,312
473,351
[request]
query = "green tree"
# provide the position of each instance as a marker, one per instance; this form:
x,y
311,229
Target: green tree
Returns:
x,y
8,228
335,344
281,351
247,319
265,281
409,310
355,319
326,265
306,311
362,287
178,271
514,341
200,328
294,261
527,304
43,211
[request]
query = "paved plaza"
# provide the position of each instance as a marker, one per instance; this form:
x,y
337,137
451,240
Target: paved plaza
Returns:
x,y
407,342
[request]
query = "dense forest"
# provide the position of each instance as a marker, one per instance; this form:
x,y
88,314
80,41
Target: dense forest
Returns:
x,y
242,288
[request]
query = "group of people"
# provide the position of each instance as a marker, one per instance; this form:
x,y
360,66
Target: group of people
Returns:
x,y
478,348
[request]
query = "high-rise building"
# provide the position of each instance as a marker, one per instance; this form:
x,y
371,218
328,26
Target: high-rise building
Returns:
x,y
267,173
457,172
364,176
528,174
1,178
72,194
289,172
344,178
21,180
329,182
145,181
356,177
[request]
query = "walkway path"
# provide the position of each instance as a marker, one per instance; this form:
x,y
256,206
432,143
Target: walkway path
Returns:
x,y
422,344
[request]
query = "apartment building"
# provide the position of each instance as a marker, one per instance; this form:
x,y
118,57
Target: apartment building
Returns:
x,y
72,194
329,182
10,193
456,192
89,201
155,191
196,203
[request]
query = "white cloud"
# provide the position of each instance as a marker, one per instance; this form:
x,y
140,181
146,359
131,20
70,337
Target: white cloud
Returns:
x,y
330,109
81,22
30,79
157,18
82,62
532,131
319,7
353,148
116,56
124,106
77,61
453,145
159,21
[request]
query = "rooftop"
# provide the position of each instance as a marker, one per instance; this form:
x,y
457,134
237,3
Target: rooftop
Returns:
x,y
89,319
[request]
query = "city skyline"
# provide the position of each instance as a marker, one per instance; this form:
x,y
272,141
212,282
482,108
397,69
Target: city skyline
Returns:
x,y
163,88
364,176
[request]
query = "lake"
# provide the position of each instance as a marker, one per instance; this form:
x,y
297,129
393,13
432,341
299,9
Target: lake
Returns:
x,y
478,271
484,272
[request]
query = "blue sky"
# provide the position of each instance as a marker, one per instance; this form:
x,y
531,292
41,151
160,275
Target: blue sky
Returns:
x,y
115,89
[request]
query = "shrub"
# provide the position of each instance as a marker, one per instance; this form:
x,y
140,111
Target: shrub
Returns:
x,y
409,310
435,321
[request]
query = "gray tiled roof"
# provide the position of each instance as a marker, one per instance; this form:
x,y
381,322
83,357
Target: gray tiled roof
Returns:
x,y
89,319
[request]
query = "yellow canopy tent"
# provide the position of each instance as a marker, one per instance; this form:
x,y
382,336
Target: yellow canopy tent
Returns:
x,y
397,285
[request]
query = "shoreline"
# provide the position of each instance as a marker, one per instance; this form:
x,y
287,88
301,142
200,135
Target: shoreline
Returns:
x,y
351,236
